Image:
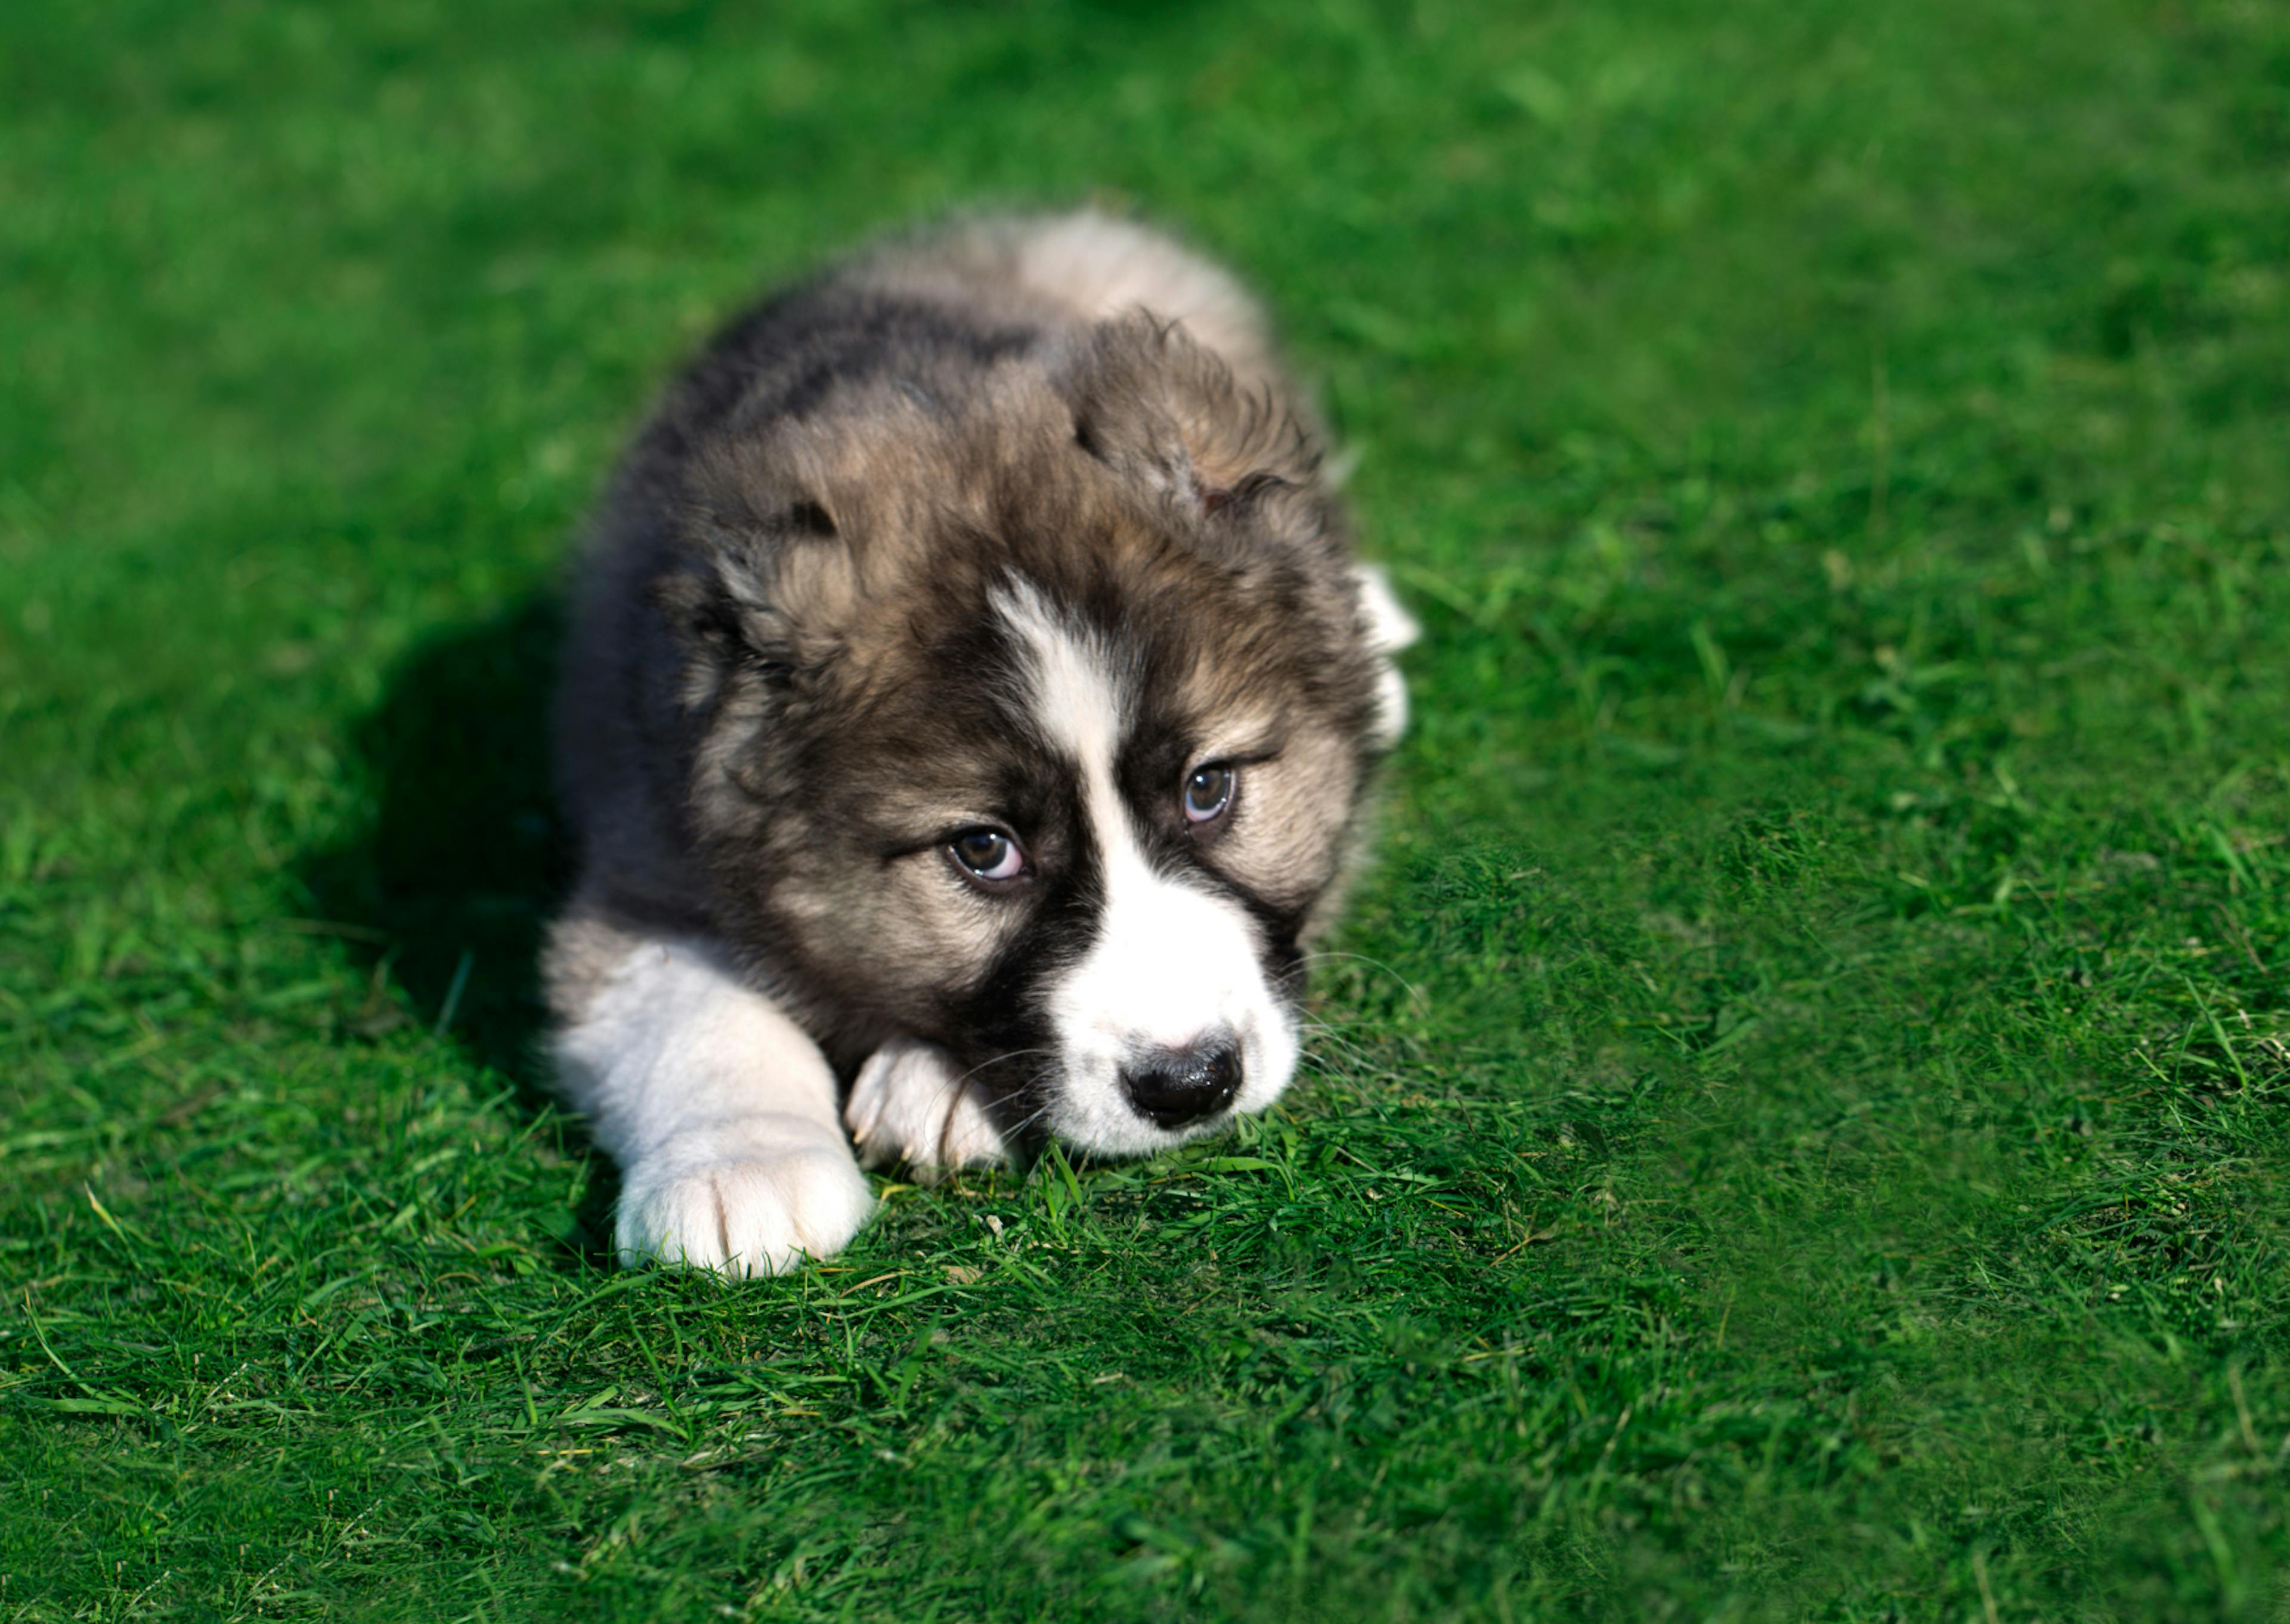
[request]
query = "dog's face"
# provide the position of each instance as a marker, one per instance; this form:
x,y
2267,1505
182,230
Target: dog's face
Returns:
x,y
1038,731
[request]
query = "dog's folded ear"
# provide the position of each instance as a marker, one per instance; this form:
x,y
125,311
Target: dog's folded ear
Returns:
x,y
1152,403
753,584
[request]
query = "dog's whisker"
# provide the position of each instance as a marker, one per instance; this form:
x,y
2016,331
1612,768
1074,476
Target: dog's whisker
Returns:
x,y
954,1090
1030,1118
954,1085
1327,1032
1310,959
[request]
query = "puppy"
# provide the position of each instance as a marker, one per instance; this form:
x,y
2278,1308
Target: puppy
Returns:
x,y
965,719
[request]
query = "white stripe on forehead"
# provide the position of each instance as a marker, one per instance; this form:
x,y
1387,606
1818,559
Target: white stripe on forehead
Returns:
x,y
1077,696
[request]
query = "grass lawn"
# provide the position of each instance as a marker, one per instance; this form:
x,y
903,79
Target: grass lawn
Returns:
x,y
1800,1125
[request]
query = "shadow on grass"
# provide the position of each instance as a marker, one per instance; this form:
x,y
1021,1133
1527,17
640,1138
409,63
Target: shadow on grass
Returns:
x,y
454,876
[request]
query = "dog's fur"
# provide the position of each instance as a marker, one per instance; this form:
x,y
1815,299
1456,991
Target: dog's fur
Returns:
x,y
1012,533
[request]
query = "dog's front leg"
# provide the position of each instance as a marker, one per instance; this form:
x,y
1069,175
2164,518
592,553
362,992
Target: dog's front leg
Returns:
x,y
720,1111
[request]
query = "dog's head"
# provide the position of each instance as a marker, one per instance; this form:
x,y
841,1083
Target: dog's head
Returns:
x,y
1031,711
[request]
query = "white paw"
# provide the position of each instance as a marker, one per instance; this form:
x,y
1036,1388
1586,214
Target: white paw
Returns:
x,y
906,1107
756,1196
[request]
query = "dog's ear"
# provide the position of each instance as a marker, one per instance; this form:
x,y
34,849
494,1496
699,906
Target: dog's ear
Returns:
x,y
1152,403
752,587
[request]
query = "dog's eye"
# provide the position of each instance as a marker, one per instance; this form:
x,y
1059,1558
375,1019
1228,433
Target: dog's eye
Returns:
x,y
989,853
1207,793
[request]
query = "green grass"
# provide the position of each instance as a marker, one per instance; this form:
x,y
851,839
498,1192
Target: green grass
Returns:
x,y
1804,1134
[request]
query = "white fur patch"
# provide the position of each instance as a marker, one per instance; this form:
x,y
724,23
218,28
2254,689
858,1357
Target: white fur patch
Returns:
x,y
1389,629
1172,965
907,1106
721,1113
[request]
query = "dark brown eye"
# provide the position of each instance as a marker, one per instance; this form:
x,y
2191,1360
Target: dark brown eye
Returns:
x,y
989,853
1207,793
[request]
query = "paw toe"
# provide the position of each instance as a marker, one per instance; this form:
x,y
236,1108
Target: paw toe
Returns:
x,y
908,1106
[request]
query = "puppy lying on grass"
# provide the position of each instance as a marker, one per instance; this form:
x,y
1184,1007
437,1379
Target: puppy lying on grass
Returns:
x,y
967,716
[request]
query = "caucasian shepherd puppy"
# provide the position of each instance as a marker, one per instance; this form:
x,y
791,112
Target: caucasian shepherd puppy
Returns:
x,y
966,715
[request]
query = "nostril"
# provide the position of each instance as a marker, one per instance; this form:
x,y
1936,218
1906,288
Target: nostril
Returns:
x,y
1176,1086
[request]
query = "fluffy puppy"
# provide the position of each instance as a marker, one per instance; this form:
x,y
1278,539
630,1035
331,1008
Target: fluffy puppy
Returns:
x,y
965,719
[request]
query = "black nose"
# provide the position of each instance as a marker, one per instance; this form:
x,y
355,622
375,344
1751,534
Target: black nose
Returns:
x,y
1176,1086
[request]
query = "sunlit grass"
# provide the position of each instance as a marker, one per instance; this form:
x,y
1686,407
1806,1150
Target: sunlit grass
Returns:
x,y
1797,1122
